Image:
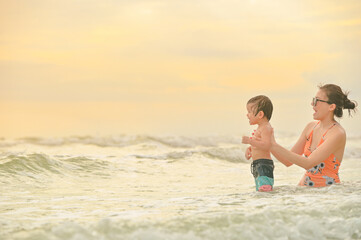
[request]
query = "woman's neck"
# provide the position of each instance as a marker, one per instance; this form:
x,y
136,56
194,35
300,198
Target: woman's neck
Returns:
x,y
327,122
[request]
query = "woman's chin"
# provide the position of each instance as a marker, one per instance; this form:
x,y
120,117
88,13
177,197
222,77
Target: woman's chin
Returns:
x,y
315,117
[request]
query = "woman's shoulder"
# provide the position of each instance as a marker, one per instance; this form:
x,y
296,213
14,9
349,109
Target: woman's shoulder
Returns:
x,y
337,134
311,124
309,127
338,131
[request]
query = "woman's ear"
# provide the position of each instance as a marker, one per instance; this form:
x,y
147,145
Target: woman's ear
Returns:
x,y
332,107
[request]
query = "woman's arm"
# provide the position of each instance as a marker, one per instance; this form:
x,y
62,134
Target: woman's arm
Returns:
x,y
283,160
298,147
334,141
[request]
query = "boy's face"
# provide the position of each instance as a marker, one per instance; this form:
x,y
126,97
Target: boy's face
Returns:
x,y
253,119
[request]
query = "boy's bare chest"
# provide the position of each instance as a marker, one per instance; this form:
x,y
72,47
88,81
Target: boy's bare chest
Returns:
x,y
258,133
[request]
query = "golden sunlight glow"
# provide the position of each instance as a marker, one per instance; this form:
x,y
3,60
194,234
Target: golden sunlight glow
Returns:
x,y
171,67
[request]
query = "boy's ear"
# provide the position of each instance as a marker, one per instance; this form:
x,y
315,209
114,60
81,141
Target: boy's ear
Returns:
x,y
260,114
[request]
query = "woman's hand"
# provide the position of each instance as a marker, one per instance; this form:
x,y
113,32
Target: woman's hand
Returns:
x,y
248,153
246,140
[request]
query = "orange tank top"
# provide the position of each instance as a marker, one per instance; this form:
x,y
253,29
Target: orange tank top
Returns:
x,y
323,174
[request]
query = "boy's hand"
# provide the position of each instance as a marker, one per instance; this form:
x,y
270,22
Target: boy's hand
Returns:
x,y
248,153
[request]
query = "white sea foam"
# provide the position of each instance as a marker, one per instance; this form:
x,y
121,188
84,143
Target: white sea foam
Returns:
x,y
146,187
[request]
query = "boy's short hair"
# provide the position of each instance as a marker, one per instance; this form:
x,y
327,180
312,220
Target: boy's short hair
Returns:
x,y
262,103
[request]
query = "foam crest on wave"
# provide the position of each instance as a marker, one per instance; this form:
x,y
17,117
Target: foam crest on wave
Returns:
x,y
174,155
300,223
229,154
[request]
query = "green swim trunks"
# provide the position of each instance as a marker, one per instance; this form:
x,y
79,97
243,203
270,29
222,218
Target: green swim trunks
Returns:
x,y
262,170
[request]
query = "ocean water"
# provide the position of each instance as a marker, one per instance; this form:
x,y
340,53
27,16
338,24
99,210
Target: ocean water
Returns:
x,y
168,187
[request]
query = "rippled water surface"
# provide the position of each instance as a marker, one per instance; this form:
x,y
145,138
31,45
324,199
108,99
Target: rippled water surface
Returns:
x,y
146,187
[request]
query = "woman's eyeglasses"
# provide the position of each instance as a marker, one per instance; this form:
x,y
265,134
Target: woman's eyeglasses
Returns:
x,y
315,100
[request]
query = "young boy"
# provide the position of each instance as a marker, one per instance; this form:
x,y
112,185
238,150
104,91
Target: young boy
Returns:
x,y
259,110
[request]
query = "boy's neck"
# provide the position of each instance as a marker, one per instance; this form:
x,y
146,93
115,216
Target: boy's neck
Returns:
x,y
262,122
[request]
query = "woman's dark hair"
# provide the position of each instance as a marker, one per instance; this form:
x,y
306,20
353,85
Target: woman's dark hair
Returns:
x,y
339,98
262,103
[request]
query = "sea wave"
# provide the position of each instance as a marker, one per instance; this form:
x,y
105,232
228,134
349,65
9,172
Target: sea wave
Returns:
x,y
126,140
42,166
353,149
229,154
36,165
288,222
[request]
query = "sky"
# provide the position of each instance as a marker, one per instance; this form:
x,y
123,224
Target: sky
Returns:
x,y
111,67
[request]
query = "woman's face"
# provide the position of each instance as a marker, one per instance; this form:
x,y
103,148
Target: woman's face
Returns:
x,y
321,108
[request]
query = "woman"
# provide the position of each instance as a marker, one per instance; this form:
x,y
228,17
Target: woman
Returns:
x,y
322,142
